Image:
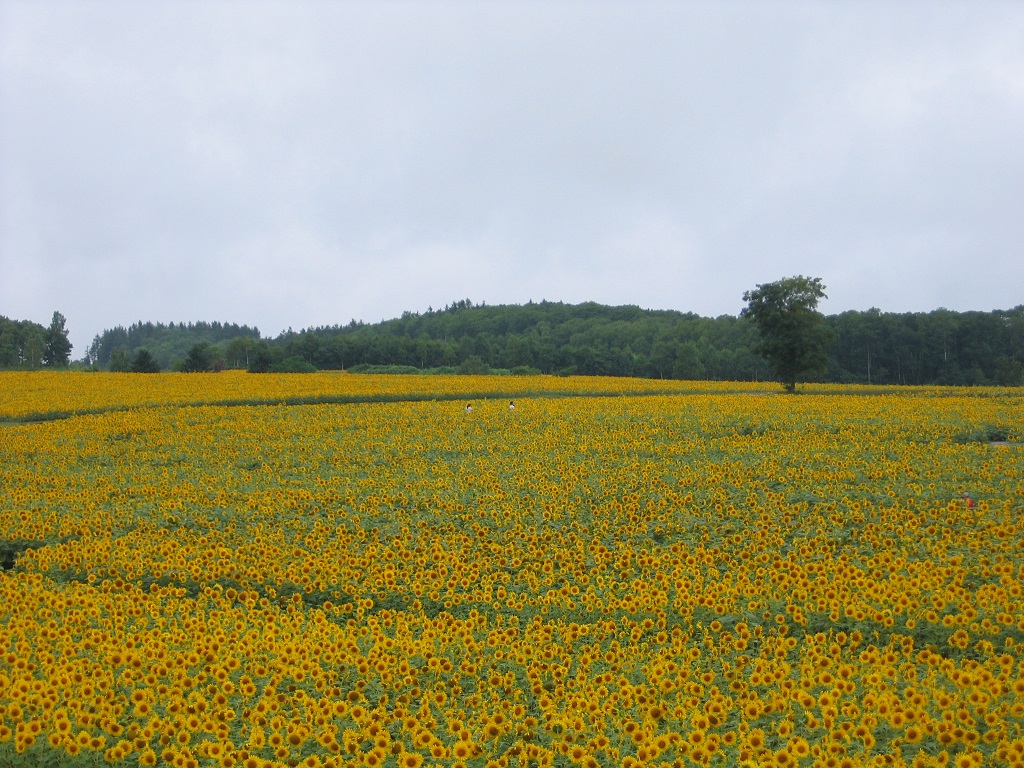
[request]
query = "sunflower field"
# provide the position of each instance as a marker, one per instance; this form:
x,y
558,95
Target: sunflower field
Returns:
x,y
340,570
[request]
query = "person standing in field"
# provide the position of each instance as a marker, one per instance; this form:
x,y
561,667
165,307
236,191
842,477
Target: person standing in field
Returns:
x,y
512,405
469,408
968,501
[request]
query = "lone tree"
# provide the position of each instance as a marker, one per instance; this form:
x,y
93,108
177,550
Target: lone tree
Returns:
x,y
793,333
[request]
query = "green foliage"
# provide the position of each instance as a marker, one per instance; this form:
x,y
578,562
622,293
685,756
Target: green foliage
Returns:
x,y
293,364
386,369
794,336
688,364
239,350
869,347
1009,372
199,358
474,366
22,343
260,358
9,551
585,339
120,360
987,433
57,347
169,344
144,362
939,347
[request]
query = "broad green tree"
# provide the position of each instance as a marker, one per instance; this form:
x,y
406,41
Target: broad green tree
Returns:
x,y
144,362
34,346
261,358
474,366
198,359
238,351
120,360
794,338
57,346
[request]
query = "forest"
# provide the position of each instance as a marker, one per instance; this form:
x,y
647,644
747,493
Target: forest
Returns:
x,y
870,347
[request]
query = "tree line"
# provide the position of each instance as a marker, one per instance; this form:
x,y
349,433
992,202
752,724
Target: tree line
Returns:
x,y
938,347
870,347
545,337
148,347
28,345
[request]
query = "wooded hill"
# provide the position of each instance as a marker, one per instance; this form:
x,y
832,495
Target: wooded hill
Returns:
x,y
545,337
939,347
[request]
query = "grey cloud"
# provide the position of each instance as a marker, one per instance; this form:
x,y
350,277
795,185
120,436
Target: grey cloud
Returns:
x,y
289,164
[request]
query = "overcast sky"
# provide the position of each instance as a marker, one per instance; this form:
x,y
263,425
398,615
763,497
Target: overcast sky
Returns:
x,y
296,164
